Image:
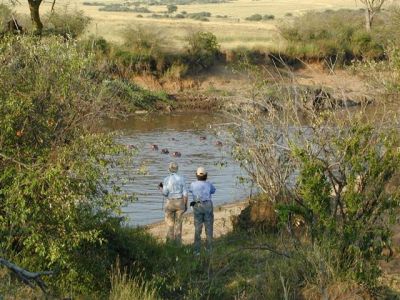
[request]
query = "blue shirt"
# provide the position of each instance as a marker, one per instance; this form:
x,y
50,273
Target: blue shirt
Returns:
x,y
174,186
202,190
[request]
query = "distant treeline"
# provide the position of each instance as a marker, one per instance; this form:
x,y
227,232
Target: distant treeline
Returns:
x,y
159,2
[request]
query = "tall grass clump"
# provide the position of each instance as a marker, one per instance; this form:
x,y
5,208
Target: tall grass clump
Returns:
x,y
125,288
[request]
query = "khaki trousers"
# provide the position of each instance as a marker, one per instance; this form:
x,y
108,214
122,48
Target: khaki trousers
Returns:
x,y
174,210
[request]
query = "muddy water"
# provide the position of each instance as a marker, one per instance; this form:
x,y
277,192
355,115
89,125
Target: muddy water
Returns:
x,y
198,137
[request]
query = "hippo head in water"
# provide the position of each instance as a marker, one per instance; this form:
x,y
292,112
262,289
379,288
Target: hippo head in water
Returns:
x,y
218,143
154,147
203,138
176,154
164,151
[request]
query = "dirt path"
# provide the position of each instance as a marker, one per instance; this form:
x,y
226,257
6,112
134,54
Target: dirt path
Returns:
x,y
222,223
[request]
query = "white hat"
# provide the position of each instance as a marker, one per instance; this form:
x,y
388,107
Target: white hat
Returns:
x,y
201,171
173,167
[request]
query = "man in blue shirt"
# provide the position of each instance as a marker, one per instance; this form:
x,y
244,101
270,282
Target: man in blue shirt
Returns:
x,y
202,208
174,189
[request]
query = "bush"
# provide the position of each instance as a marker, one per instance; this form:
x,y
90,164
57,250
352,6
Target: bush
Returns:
x,y
268,17
172,8
336,36
95,45
67,23
255,17
52,167
132,95
124,8
203,49
335,177
246,56
94,3
143,39
199,16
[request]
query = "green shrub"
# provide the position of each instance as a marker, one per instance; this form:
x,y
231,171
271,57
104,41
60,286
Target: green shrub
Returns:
x,y
255,17
132,94
203,49
247,56
67,23
199,16
95,44
143,39
268,17
172,8
52,191
93,3
335,35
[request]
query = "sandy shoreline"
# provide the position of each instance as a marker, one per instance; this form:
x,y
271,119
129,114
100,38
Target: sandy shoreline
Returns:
x,y
223,215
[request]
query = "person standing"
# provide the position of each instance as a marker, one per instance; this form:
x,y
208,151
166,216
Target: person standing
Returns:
x,y
202,209
174,189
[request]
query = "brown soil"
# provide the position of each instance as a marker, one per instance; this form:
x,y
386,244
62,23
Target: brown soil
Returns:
x,y
223,85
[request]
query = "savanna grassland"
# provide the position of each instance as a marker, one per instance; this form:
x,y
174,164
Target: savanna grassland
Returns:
x,y
231,31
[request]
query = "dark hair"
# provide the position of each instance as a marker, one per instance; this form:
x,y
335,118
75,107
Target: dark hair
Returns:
x,y
202,177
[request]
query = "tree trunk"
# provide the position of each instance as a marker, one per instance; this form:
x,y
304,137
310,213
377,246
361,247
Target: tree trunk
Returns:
x,y
368,19
35,16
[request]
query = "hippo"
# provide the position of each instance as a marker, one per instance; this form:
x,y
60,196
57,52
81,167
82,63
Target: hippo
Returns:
x,y
176,154
203,138
164,151
154,147
218,144
132,147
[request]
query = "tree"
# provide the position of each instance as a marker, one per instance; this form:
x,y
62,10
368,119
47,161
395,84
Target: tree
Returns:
x,y
172,8
35,15
372,7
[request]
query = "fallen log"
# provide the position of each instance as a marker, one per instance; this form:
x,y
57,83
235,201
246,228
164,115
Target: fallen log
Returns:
x,y
29,278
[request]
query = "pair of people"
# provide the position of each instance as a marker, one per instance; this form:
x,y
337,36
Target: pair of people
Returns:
x,y
174,189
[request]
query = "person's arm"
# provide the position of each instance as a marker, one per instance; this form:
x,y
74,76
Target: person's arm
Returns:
x,y
165,191
184,193
212,188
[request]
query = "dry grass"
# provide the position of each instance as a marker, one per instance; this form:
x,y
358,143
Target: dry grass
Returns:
x,y
231,32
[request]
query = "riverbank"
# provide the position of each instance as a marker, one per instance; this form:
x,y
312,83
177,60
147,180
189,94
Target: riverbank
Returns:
x,y
223,222
224,88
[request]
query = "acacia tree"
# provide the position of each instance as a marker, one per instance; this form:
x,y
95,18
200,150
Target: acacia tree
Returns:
x,y
372,7
35,15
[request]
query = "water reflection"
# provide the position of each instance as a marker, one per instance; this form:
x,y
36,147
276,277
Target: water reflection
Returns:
x,y
200,139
